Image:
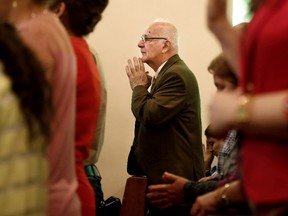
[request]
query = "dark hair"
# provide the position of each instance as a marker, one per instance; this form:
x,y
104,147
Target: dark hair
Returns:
x,y
211,134
207,132
43,2
219,66
82,15
28,80
254,5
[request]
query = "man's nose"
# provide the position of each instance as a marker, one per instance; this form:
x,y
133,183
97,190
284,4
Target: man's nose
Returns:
x,y
141,44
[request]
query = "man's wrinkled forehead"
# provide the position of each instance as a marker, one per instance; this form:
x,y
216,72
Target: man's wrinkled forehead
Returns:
x,y
153,30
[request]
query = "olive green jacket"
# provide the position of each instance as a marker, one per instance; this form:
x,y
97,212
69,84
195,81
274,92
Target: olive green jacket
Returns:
x,y
168,125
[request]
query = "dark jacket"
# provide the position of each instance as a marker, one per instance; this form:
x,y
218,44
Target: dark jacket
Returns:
x,y
168,124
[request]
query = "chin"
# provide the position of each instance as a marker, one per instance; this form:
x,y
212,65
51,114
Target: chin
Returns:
x,y
144,60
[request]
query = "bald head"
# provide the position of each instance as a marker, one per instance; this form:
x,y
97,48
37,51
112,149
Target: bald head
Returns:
x,y
159,43
163,28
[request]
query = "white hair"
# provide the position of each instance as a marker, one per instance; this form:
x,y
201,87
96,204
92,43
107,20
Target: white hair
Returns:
x,y
168,30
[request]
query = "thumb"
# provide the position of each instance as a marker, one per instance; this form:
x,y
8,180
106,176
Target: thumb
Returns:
x,y
169,177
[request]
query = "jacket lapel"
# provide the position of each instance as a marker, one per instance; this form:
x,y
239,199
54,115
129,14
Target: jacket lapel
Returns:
x,y
168,64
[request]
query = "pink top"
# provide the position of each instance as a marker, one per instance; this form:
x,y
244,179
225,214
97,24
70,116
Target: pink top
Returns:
x,y
47,38
265,64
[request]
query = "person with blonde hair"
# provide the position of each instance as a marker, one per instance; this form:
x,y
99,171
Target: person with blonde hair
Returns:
x,y
43,33
25,128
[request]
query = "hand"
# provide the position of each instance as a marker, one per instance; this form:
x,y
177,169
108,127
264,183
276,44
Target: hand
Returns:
x,y
204,179
209,145
149,80
208,154
221,27
223,110
136,73
206,203
216,12
169,194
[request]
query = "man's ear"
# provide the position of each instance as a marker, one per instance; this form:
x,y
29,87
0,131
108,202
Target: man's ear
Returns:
x,y
166,46
59,9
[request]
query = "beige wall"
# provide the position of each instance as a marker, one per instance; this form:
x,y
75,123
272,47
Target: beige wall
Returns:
x,y
115,40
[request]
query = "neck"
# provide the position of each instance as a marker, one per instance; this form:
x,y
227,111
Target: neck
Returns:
x,y
165,57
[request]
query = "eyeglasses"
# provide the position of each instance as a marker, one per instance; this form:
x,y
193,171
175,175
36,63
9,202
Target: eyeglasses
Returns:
x,y
145,38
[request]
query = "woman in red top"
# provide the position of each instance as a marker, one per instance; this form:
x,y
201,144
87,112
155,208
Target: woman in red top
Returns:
x,y
80,17
260,110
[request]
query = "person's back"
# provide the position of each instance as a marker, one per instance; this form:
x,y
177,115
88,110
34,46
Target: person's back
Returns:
x,y
79,19
24,128
267,74
49,40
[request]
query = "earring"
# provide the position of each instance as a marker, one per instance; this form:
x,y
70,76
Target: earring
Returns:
x,y
14,4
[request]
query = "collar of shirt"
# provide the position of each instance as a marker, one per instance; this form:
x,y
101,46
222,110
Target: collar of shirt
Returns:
x,y
159,69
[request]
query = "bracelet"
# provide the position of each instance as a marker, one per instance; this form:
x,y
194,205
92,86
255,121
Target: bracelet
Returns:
x,y
222,197
224,200
243,109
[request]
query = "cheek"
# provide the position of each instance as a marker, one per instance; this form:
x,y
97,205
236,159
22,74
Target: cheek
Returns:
x,y
148,55
151,54
150,50
216,147
144,57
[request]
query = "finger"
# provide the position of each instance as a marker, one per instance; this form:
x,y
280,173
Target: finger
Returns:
x,y
156,195
167,205
169,177
196,210
142,67
136,64
201,180
128,71
149,77
162,203
158,199
160,187
131,67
